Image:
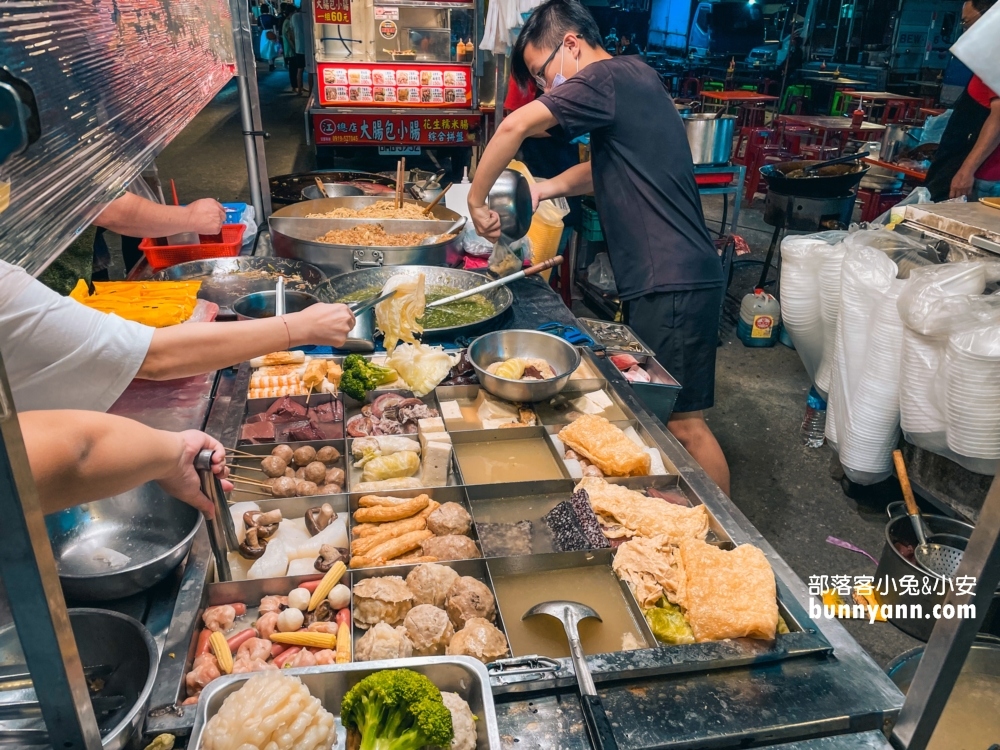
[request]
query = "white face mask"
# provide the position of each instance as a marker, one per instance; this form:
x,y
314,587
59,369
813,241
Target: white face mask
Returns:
x,y
559,78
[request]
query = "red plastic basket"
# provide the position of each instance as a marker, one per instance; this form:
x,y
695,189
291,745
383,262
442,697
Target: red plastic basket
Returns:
x,y
164,256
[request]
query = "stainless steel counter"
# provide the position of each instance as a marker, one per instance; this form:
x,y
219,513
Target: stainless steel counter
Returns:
x,y
794,700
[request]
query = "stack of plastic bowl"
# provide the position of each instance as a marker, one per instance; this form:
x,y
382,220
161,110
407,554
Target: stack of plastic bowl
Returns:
x,y
872,428
829,296
800,303
973,393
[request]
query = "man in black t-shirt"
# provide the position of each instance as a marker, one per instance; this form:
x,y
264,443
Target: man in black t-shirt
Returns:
x,y
665,264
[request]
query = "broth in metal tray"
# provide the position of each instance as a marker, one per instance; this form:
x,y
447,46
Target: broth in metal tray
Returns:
x,y
593,585
524,460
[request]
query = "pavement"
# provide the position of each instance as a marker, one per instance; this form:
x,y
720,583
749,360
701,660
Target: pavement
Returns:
x,y
786,489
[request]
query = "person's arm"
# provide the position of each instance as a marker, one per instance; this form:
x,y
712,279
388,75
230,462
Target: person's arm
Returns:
x,y
193,348
79,456
133,216
987,142
528,121
577,180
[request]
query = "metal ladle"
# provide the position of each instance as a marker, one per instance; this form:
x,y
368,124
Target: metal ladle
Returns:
x,y
939,559
279,297
570,614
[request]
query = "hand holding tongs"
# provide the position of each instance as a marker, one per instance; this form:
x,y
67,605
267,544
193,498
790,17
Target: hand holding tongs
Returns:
x,y
221,531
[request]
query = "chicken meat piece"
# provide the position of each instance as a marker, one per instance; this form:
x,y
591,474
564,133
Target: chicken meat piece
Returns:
x,y
267,624
429,629
203,671
480,640
219,618
386,599
467,599
325,657
449,518
450,548
383,642
254,648
430,583
304,658
463,721
272,604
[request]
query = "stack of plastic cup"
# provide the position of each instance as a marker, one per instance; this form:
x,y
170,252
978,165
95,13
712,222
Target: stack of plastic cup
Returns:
x,y
800,305
973,393
829,295
919,403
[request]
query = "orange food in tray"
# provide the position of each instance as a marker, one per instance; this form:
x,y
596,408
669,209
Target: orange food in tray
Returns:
x,y
152,303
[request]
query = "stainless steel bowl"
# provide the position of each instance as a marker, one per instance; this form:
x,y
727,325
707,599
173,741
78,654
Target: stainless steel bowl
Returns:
x,y
510,197
126,654
333,190
261,304
148,526
563,357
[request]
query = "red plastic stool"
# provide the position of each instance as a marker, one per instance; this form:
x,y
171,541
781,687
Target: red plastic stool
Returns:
x,y
764,155
748,141
874,203
690,88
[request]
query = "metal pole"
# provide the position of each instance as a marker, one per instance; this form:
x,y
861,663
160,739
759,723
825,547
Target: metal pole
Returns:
x,y
850,31
949,644
253,127
29,574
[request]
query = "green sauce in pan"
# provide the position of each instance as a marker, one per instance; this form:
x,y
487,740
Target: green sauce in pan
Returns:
x,y
463,312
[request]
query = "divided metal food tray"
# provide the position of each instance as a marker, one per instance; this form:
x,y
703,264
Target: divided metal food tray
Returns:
x,y
456,674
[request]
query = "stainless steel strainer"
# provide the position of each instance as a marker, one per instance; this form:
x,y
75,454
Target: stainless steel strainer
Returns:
x,y
934,557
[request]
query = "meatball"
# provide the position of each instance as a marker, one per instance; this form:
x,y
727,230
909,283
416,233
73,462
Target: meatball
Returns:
x,y
304,455
385,599
383,642
450,548
284,452
480,640
305,488
300,473
463,721
469,598
327,454
290,472
316,472
330,489
283,487
429,630
335,476
450,518
273,466
430,583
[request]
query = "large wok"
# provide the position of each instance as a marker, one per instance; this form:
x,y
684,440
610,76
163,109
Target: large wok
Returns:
x,y
294,236
342,286
828,182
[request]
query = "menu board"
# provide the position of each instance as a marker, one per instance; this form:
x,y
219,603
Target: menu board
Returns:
x,y
332,11
394,85
385,129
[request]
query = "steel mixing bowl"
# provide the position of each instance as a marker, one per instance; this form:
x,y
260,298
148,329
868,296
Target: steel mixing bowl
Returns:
x,y
510,197
261,304
152,529
562,356
333,190
125,657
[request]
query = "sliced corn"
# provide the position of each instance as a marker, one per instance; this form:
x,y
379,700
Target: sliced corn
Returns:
x,y
331,579
306,639
217,642
343,644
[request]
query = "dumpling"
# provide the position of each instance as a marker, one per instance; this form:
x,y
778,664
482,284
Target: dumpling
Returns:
x,y
429,630
480,640
386,599
429,583
469,598
383,642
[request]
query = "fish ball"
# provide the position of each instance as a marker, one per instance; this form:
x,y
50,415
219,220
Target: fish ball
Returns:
x,y
274,466
304,455
284,452
327,454
316,472
305,488
283,487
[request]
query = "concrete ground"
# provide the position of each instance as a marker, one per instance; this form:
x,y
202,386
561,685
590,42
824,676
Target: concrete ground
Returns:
x,y
785,489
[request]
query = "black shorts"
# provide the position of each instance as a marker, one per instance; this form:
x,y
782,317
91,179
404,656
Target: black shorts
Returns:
x,y
683,329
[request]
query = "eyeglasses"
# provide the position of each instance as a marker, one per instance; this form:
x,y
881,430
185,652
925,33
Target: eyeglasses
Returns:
x,y
540,75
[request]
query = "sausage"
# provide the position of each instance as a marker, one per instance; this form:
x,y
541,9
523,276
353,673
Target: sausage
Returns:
x,y
240,638
202,647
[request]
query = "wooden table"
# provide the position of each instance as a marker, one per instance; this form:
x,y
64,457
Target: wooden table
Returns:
x,y
881,96
738,97
825,125
913,174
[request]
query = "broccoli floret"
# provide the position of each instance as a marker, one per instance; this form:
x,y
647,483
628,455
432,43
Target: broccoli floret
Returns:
x,y
397,709
361,376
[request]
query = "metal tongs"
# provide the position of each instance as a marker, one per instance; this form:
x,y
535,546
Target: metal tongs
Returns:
x,y
221,531
359,307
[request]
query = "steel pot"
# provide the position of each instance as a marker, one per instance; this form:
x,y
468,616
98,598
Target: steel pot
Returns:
x,y
710,137
893,566
510,197
898,138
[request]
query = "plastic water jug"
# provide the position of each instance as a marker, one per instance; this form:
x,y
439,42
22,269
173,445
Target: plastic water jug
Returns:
x,y
760,319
